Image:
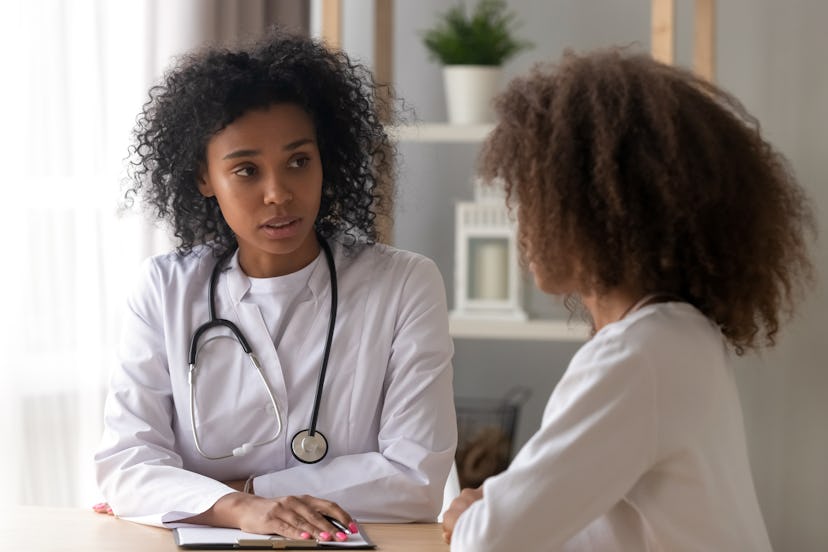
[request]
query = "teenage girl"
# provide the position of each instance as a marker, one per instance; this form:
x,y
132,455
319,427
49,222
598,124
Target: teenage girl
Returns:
x,y
649,197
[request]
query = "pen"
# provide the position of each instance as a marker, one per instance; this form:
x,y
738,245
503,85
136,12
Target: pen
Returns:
x,y
338,524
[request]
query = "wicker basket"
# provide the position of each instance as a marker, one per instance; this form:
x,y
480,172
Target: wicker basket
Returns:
x,y
485,435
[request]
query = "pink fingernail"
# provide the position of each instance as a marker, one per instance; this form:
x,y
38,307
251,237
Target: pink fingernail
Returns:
x,y
98,506
340,536
353,527
325,536
305,535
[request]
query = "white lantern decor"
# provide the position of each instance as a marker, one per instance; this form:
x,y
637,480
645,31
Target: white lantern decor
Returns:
x,y
487,274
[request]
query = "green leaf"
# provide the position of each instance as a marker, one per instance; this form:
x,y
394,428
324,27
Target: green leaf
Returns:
x,y
482,38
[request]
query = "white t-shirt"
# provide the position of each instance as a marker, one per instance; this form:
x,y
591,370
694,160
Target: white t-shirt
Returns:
x,y
642,447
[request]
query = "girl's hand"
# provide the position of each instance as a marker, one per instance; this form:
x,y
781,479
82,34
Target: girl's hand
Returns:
x,y
459,505
296,517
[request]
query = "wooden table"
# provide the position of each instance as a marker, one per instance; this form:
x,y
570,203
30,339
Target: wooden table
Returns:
x,y
34,529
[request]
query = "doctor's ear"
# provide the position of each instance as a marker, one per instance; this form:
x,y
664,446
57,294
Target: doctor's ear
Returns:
x,y
204,185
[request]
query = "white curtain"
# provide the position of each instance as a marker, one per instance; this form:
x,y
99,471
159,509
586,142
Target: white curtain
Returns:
x,y
75,74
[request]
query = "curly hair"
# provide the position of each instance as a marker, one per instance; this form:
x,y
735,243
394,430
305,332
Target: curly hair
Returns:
x,y
209,89
625,171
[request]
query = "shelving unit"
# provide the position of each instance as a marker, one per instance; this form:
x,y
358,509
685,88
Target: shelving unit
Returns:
x,y
482,328
530,330
663,25
440,132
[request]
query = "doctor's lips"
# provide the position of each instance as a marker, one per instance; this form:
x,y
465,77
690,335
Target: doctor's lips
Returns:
x,y
280,222
281,226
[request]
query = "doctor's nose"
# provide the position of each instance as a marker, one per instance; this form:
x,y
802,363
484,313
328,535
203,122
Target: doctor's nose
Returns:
x,y
275,192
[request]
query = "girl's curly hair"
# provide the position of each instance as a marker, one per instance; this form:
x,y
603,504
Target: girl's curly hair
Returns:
x,y
628,172
209,89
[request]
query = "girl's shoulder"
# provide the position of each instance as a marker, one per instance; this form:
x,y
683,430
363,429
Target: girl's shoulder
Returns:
x,y
674,336
669,322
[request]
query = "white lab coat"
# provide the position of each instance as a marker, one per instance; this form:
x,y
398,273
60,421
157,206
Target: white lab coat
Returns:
x,y
641,448
387,409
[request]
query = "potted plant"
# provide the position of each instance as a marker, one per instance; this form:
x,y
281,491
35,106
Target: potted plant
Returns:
x,y
472,48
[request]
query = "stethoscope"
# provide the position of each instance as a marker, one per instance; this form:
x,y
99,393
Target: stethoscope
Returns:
x,y
309,445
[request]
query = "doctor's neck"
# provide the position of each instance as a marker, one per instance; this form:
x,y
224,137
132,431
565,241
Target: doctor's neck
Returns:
x,y
280,261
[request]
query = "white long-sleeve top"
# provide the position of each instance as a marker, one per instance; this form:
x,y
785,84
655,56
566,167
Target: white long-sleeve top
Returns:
x,y
641,448
387,407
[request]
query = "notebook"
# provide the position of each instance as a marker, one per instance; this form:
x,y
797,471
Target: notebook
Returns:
x,y
220,538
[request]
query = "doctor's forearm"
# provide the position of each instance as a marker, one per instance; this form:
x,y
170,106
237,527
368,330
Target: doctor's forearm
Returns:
x,y
369,486
224,513
298,517
232,510
238,485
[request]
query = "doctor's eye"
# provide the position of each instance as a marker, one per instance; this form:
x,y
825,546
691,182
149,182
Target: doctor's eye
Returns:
x,y
299,161
245,170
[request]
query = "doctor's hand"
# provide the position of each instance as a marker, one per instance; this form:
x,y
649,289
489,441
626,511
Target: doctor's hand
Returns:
x,y
103,508
459,505
297,517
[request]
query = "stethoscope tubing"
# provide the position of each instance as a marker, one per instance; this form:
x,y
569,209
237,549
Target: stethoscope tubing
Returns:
x,y
237,333
328,340
272,398
215,321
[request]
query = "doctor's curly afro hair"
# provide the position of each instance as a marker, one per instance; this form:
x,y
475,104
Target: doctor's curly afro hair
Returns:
x,y
629,173
208,89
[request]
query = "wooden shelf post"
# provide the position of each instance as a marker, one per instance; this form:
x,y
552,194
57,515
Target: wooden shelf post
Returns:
x,y
384,76
663,29
332,23
704,39
663,37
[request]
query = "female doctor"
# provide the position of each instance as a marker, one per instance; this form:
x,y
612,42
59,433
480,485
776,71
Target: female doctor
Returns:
x,y
279,366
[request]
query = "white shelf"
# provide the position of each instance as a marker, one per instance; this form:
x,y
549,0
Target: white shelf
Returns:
x,y
440,132
481,328
535,330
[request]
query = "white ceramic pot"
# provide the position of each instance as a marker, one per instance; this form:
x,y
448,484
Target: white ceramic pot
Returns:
x,y
469,92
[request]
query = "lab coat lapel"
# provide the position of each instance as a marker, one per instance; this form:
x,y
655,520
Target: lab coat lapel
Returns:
x,y
308,330
254,327
303,341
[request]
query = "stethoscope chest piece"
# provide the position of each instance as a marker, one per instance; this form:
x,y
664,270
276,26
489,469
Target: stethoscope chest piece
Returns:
x,y
308,448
